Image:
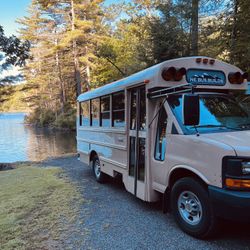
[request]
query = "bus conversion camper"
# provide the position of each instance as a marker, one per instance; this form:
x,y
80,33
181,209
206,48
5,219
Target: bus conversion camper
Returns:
x,y
175,131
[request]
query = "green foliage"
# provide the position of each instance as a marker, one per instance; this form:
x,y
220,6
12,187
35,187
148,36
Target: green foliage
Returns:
x,y
76,43
66,120
240,34
12,98
16,51
48,118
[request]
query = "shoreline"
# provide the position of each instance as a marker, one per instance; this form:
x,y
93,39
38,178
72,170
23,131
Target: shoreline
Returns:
x,y
49,127
14,111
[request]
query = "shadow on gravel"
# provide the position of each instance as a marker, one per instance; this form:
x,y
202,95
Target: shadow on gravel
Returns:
x,y
117,184
110,204
227,230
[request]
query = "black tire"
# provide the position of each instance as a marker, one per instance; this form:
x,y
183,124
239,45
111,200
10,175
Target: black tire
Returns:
x,y
99,176
192,196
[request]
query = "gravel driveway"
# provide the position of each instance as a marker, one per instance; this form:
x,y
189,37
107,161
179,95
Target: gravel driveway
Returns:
x,y
112,218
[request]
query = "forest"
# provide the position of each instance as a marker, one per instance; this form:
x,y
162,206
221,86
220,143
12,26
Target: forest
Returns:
x,y
78,45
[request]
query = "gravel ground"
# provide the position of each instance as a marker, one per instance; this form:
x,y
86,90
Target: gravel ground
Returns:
x,y
112,218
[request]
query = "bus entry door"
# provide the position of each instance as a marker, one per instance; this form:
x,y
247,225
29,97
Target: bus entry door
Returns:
x,y
137,142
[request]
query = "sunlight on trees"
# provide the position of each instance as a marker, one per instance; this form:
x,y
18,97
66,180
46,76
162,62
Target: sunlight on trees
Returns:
x,y
78,45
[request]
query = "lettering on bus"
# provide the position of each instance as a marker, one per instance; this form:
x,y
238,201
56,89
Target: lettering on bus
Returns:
x,y
206,77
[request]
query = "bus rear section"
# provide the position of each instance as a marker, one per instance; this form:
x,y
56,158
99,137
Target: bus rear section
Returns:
x,y
176,131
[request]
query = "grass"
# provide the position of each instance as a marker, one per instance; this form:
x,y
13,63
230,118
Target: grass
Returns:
x,y
35,207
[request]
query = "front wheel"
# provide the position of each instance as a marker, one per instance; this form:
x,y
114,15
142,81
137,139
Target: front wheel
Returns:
x,y
192,209
99,175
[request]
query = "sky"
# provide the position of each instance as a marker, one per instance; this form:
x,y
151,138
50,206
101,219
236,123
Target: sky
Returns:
x,y
12,9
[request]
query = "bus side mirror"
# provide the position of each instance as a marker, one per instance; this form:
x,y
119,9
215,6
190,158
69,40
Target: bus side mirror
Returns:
x,y
191,110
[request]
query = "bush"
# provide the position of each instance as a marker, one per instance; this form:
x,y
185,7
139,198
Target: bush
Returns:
x,y
46,118
66,120
49,118
33,117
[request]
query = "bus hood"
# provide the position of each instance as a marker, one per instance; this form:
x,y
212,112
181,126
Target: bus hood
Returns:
x,y
239,141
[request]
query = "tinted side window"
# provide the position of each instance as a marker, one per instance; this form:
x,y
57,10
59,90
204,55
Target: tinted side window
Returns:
x,y
84,113
105,111
118,109
142,125
95,111
133,110
160,144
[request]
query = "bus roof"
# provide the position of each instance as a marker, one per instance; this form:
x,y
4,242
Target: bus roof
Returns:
x,y
153,77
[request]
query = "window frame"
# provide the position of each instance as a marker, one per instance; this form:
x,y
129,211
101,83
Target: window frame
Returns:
x,y
81,115
105,112
111,111
91,113
118,110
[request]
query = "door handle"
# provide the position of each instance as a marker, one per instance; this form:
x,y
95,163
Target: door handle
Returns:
x,y
120,139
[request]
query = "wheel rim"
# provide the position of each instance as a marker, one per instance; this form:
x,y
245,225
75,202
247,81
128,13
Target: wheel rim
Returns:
x,y
189,207
97,168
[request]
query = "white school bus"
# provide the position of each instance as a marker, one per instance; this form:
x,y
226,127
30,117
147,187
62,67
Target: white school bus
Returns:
x,y
173,132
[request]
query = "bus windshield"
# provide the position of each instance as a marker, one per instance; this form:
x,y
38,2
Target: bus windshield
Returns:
x,y
218,113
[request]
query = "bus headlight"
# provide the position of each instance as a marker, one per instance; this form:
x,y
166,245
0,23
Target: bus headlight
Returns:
x,y
236,173
246,167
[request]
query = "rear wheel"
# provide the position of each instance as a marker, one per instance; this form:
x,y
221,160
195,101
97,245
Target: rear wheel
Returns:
x,y
192,209
99,175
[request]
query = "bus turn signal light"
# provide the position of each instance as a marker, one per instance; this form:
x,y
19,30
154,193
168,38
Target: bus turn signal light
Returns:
x,y
237,77
237,183
179,74
173,74
168,73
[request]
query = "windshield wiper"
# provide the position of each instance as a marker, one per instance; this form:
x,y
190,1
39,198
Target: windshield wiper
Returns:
x,y
214,126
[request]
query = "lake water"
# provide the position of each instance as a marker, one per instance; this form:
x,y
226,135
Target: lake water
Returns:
x,y
19,142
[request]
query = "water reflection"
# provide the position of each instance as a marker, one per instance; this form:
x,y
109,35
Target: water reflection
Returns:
x,y
20,143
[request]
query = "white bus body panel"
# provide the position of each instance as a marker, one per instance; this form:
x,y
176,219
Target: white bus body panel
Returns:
x,y
202,154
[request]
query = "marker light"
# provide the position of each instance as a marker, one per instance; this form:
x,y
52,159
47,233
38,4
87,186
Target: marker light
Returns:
x,y
198,60
205,60
173,74
212,61
236,78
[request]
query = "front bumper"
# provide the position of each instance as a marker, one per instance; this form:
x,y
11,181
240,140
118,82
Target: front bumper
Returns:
x,y
230,204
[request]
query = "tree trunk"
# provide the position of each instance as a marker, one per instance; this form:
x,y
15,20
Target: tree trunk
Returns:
x,y
87,78
75,54
61,82
234,31
194,27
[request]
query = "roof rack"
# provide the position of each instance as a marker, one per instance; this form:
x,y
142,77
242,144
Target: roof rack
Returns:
x,y
166,91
